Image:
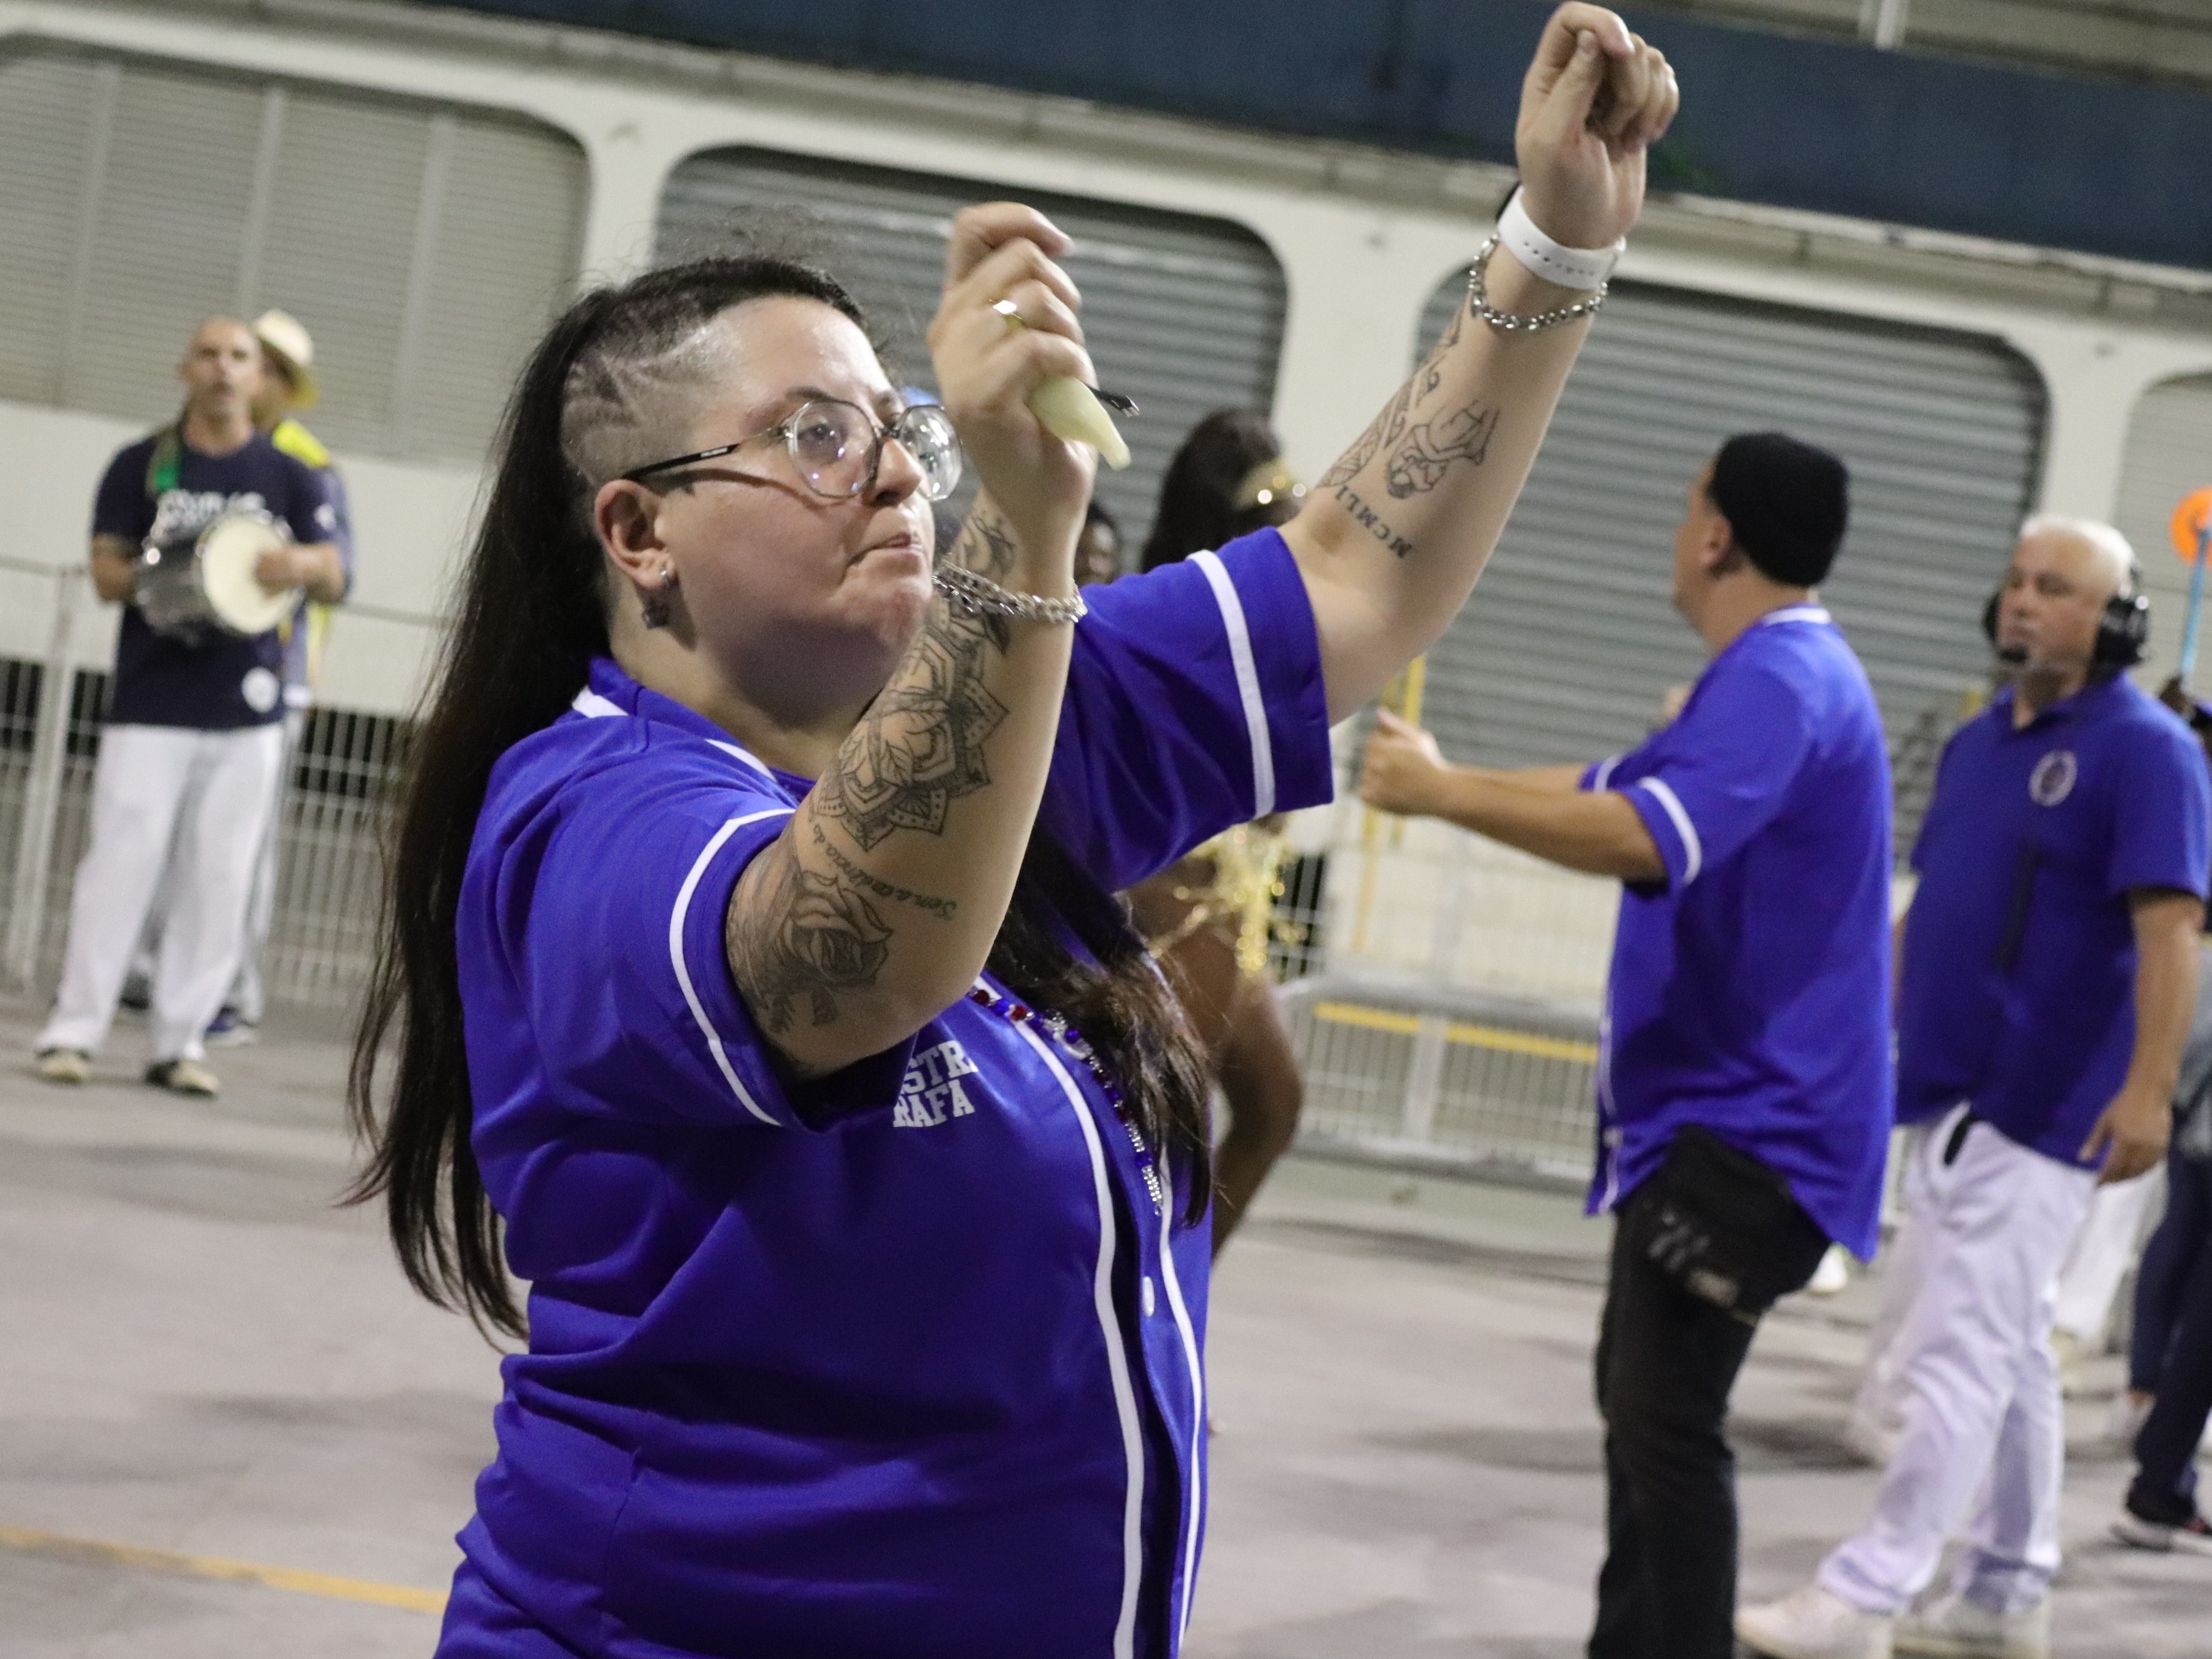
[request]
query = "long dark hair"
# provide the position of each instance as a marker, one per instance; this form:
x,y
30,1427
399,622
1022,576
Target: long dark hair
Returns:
x,y
1198,494
529,618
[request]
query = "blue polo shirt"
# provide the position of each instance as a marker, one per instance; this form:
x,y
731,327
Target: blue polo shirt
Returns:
x,y
2018,985
1750,990
905,1361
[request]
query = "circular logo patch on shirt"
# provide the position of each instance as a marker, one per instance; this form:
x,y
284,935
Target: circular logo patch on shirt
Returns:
x,y
259,689
2052,780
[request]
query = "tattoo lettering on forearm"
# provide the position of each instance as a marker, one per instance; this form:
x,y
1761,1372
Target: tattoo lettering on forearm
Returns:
x,y
920,747
797,939
1386,429
1419,464
944,907
1363,516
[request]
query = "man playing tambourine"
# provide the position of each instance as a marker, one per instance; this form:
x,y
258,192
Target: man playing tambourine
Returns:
x,y
193,735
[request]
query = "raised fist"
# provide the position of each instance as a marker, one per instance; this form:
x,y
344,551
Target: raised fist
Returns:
x,y
1596,99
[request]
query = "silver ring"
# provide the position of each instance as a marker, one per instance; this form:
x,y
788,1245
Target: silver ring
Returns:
x,y
1010,311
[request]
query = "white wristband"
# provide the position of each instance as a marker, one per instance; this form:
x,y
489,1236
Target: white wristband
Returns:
x,y
1583,268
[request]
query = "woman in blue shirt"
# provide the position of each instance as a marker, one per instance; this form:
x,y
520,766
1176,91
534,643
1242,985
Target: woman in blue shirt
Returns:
x,y
752,977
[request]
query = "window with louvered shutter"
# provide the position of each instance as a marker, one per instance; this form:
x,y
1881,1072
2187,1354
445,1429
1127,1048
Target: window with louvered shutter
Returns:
x,y
1571,639
424,247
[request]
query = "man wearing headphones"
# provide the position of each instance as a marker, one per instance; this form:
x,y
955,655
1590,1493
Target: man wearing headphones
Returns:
x,y
2048,971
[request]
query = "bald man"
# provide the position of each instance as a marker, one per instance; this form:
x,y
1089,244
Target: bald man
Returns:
x,y
2047,976
193,735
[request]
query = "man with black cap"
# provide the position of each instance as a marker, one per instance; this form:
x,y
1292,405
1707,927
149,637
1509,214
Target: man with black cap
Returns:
x,y
1743,1085
2046,979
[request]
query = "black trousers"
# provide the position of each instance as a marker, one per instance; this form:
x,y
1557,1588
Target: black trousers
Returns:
x,y
1666,1364
2173,1343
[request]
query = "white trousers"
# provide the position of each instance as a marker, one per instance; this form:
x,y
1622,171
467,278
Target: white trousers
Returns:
x,y
247,994
209,792
2107,1246
1882,1393
1983,1413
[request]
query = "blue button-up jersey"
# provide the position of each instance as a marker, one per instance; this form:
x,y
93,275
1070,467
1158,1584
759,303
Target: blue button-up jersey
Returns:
x,y
2018,980
909,1365
1749,991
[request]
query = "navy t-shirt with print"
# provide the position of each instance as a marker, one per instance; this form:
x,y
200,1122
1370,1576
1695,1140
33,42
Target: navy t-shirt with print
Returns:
x,y
219,683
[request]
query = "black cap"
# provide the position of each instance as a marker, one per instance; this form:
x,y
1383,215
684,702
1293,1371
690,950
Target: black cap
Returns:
x,y
1788,502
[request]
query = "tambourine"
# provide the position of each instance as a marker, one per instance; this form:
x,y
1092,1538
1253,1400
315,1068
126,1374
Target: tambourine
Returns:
x,y
201,583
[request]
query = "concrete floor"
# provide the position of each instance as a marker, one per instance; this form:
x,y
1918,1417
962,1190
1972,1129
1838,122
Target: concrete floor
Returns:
x,y
204,1356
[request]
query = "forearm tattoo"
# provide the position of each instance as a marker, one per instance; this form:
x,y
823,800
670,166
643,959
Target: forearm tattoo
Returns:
x,y
986,545
944,907
796,940
920,747
1416,454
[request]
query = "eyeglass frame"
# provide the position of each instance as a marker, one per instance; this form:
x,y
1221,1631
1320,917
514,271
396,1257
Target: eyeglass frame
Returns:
x,y
788,425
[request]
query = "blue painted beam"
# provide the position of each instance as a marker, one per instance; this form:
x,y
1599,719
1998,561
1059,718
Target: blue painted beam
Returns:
x,y
2049,159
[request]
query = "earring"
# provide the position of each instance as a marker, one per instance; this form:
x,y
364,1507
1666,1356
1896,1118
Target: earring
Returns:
x,y
653,608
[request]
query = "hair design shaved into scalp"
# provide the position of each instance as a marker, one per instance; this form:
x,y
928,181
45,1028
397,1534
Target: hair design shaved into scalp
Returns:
x,y
637,381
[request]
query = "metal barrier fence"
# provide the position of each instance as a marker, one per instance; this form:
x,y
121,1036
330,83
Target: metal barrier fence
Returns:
x,y
330,821
1454,1078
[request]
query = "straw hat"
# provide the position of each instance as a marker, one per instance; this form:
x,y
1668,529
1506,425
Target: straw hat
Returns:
x,y
284,339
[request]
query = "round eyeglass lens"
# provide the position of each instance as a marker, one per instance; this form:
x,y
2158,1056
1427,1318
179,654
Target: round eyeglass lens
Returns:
x,y
831,441
926,432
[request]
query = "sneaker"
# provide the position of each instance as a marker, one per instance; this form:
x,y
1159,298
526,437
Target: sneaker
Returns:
x,y
2193,1536
231,1029
1833,1275
1953,1627
183,1076
1814,1624
65,1065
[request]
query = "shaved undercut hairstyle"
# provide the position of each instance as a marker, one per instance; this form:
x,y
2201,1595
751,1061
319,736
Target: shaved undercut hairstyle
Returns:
x,y
617,383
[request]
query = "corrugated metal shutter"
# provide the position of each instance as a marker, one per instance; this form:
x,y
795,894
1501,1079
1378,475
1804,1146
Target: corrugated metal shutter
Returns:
x,y
424,247
45,165
1184,314
1572,641
2169,454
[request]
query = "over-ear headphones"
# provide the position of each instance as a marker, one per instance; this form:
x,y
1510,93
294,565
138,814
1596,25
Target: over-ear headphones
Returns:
x,y
2123,632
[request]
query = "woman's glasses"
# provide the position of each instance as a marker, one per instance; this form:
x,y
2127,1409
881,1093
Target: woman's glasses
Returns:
x,y
836,449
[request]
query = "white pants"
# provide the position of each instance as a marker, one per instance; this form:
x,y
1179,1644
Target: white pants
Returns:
x,y
211,793
1882,1393
246,994
2107,1246
1983,1413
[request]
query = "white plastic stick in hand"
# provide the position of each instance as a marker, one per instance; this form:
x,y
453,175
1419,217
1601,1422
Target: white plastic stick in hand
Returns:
x,y
1070,410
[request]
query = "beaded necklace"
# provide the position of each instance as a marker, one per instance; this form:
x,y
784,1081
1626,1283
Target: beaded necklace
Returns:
x,y
1071,1043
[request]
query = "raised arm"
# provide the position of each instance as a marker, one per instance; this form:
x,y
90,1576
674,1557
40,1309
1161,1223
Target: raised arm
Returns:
x,y
877,906
1391,542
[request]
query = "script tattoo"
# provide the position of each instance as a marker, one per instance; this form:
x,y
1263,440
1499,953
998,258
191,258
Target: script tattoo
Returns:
x,y
1419,464
882,889
920,747
796,939
1385,429
1365,517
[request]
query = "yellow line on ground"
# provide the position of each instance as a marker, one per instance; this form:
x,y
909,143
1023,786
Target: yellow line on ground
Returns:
x,y
1476,1036
101,1553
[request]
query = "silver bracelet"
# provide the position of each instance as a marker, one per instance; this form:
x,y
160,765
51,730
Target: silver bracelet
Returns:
x,y
979,596
1478,297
